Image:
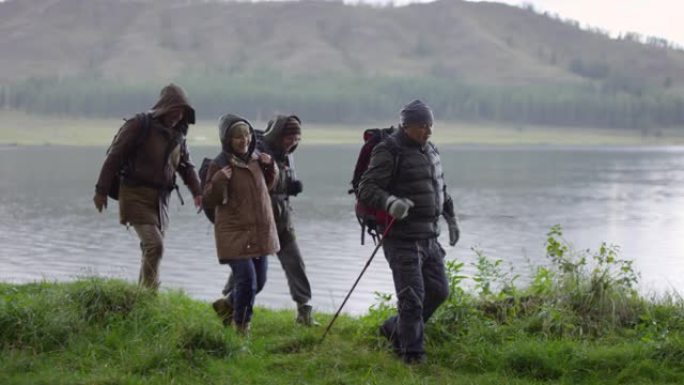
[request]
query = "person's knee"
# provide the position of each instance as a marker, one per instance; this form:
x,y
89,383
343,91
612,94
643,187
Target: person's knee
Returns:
x,y
288,249
261,277
292,266
245,291
243,281
260,284
437,288
440,293
151,240
246,283
154,249
410,304
287,240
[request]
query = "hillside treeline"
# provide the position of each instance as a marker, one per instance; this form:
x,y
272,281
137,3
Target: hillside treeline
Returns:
x,y
356,100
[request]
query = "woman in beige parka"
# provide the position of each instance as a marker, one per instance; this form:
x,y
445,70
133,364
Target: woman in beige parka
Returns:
x,y
238,181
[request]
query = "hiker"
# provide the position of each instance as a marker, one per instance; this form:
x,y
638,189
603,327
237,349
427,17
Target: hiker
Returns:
x,y
140,169
280,140
237,185
405,178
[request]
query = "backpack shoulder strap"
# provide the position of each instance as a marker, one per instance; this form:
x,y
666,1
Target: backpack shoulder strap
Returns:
x,y
394,149
144,119
221,160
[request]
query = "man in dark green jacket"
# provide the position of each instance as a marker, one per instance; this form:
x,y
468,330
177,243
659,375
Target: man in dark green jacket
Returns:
x,y
405,178
280,140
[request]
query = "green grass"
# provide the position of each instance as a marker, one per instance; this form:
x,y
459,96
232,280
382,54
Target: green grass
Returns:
x,y
579,321
21,129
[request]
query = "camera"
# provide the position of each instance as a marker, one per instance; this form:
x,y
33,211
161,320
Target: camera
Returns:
x,y
294,187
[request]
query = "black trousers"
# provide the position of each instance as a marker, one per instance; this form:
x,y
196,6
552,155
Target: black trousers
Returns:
x,y
421,286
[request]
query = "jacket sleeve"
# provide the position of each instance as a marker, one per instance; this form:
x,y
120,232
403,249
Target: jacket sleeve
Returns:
x,y
216,187
376,179
271,173
186,169
121,148
448,210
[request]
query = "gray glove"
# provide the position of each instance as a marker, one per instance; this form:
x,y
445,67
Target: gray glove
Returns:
x,y
454,232
398,207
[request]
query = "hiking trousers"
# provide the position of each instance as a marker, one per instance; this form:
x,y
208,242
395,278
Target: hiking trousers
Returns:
x,y
250,278
291,260
152,247
293,264
421,286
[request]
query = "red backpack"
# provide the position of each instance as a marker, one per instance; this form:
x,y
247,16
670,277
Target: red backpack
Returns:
x,y
369,218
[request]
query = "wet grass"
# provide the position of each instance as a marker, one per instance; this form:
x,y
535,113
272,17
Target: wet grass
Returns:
x,y
579,321
99,331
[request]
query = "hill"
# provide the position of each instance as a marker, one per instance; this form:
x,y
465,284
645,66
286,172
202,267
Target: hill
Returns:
x,y
475,61
469,42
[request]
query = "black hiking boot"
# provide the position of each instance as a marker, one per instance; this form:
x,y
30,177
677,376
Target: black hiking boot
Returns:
x,y
305,316
414,359
391,337
243,329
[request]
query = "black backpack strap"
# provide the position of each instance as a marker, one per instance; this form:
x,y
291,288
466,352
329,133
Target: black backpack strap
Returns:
x,y
222,160
144,119
394,149
127,165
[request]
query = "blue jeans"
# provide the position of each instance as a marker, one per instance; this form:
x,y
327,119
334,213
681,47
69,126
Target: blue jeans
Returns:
x,y
250,278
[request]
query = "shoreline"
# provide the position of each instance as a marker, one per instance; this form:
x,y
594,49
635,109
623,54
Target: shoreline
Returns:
x,y
21,130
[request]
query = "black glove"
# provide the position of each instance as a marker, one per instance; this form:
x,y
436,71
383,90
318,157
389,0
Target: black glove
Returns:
x,y
454,231
294,187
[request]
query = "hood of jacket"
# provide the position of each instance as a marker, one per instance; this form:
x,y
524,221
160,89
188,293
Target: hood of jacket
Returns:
x,y
225,122
170,97
274,133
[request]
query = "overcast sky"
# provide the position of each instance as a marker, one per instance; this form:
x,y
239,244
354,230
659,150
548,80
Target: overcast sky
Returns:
x,y
662,18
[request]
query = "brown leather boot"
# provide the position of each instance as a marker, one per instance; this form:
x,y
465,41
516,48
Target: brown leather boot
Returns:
x,y
224,310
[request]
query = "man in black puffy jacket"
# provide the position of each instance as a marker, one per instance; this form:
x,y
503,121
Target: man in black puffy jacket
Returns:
x,y
405,178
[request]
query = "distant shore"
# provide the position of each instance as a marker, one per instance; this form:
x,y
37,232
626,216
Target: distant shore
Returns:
x,y
20,129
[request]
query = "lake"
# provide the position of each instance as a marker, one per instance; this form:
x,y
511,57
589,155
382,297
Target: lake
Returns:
x,y
507,199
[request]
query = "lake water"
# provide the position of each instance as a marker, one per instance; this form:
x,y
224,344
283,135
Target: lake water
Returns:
x,y
507,199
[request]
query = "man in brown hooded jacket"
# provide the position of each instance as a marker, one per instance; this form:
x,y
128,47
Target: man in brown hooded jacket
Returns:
x,y
145,158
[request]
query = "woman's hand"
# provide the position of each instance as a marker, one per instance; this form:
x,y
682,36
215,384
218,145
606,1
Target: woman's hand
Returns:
x,y
227,171
265,159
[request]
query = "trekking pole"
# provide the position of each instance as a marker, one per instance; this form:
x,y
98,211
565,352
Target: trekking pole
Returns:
x,y
327,329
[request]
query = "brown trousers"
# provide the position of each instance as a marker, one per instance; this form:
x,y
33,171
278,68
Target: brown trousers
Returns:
x,y
152,246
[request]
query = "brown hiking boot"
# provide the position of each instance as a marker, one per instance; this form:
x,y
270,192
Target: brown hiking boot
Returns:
x,y
224,310
305,316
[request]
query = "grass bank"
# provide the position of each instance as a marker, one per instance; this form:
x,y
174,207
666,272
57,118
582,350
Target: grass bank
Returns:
x,y
579,321
17,128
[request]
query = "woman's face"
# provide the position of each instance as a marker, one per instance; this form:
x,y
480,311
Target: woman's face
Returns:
x,y
240,143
